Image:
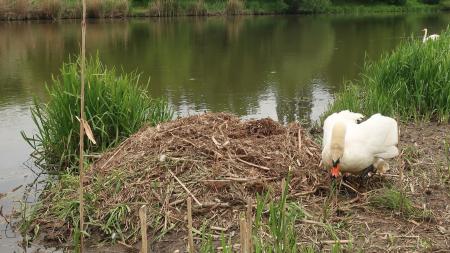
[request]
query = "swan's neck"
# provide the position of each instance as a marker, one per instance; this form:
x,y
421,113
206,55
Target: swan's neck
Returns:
x,y
425,35
338,140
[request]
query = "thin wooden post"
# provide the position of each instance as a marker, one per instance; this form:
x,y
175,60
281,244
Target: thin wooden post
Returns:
x,y
243,234
82,118
189,218
249,225
143,218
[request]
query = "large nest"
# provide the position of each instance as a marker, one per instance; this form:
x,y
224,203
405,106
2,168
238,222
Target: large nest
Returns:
x,y
215,158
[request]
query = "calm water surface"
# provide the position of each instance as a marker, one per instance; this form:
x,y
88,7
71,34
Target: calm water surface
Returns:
x,y
284,67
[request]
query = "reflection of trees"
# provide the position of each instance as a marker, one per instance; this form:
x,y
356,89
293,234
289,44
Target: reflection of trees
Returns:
x,y
310,43
229,59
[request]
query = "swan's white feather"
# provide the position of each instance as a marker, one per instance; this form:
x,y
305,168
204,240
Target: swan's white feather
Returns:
x,y
346,116
374,138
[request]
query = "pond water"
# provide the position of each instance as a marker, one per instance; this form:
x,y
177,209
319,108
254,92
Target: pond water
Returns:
x,y
283,67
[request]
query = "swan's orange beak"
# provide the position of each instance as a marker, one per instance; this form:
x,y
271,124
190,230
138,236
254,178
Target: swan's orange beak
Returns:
x,y
335,172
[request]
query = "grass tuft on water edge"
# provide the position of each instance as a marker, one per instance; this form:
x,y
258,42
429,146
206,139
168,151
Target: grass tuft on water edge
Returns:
x,y
412,82
234,7
116,107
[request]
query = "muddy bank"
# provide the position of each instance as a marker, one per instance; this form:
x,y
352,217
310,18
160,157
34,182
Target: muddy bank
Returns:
x,y
222,161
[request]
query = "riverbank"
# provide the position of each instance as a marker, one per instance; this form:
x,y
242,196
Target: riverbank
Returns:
x,y
65,9
222,162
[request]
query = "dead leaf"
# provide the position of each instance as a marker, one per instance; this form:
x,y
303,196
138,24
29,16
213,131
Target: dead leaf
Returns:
x,y
88,131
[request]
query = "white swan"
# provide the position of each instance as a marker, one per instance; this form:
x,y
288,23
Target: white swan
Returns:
x,y
358,148
431,37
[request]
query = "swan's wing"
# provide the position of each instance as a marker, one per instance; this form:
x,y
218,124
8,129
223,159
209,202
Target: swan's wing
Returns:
x,y
379,135
351,116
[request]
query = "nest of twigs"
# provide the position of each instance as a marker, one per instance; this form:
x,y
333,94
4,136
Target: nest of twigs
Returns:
x,y
215,158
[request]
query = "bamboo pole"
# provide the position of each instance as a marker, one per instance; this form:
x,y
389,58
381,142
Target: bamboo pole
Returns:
x,y
82,116
143,218
189,218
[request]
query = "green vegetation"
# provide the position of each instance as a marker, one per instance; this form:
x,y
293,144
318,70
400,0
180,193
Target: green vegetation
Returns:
x,y
397,202
412,82
238,7
116,107
31,9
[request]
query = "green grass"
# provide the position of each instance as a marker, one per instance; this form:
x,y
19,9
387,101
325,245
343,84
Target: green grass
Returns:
x,y
399,203
412,82
274,229
116,107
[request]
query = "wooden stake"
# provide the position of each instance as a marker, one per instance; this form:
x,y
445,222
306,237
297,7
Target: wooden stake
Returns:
x,y
143,218
189,218
82,117
249,225
243,234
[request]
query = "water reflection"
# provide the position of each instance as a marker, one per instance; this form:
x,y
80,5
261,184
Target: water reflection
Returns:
x,y
218,64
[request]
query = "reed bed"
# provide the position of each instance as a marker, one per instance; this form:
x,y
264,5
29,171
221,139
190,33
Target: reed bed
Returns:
x,y
53,9
234,7
116,107
164,8
412,82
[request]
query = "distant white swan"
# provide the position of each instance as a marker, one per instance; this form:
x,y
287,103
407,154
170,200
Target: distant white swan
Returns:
x,y
358,148
431,37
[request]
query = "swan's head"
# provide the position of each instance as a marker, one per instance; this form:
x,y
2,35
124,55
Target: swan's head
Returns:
x,y
337,147
424,29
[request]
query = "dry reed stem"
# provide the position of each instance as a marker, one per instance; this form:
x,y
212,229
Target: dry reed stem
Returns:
x,y
185,188
252,164
249,224
189,218
82,117
143,219
243,234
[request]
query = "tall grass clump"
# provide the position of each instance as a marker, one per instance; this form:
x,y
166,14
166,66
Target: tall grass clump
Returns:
x,y
116,107
274,226
107,8
50,8
115,8
94,8
21,8
164,8
234,7
314,6
412,82
197,8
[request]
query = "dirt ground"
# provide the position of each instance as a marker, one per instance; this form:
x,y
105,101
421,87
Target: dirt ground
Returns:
x,y
421,172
